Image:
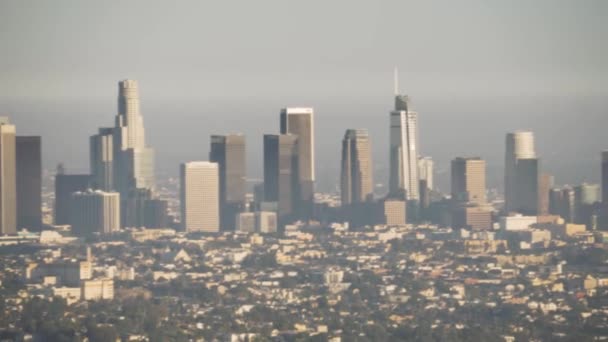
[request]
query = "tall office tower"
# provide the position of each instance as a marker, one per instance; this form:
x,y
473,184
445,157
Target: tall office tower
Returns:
x,y
526,187
545,183
281,181
228,151
199,196
469,180
29,182
605,177
300,122
356,177
102,159
65,185
134,161
425,171
94,212
403,180
8,179
519,145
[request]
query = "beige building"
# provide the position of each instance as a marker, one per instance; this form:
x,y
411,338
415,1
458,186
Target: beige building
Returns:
x,y
98,289
8,179
199,195
475,218
469,180
395,212
356,180
300,122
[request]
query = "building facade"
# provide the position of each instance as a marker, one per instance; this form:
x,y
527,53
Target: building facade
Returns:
x,y
228,151
281,180
29,182
403,154
469,180
356,180
300,122
95,212
199,196
8,178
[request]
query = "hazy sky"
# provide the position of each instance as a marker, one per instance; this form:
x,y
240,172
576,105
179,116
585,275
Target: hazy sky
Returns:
x,y
474,70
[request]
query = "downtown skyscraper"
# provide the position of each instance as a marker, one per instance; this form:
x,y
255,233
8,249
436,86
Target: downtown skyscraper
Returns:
x,y
403,154
121,161
281,181
521,173
199,197
228,151
300,122
356,181
134,166
8,180
29,181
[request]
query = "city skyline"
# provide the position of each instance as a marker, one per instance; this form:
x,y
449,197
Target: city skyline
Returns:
x,y
390,170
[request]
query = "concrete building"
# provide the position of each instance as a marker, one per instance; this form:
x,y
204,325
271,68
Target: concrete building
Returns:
x,y
8,178
517,222
29,182
266,222
300,122
356,180
395,212
281,182
260,221
98,289
404,148
101,156
475,218
519,146
199,195
228,151
469,180
95,212
245,222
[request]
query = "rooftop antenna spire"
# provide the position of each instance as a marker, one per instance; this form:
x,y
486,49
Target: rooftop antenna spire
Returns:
x,y
396,80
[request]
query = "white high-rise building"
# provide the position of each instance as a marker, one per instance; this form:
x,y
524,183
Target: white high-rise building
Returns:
x,y
403,150
134,167
95,211
199,196
519,146
426,170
